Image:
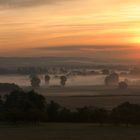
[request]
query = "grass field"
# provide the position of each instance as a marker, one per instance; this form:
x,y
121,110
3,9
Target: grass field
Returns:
x,y
88,91
69,132
100,96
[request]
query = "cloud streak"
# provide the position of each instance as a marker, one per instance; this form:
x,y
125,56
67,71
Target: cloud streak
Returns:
x,y
26,3
84,47
92,51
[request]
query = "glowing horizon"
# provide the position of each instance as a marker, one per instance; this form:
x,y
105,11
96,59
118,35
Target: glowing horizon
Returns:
x,y
27,27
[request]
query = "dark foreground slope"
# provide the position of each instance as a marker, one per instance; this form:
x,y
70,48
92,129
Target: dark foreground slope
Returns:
x,y
70,132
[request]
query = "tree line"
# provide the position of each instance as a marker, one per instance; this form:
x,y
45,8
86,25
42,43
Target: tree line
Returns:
x,y
31,107
36,81
110,80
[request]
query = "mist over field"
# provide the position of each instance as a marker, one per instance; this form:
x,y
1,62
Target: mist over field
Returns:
x,y
69,69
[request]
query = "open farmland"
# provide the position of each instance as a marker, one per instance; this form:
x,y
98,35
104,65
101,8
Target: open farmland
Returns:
x,y
100,96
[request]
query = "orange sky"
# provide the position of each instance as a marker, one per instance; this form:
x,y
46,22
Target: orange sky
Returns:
x,y
58,28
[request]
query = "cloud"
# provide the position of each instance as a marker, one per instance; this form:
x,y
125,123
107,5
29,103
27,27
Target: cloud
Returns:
x,y
101,52
26,3
83,47
60,48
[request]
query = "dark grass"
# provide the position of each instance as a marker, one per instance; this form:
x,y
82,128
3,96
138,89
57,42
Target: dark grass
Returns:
x,y
63,131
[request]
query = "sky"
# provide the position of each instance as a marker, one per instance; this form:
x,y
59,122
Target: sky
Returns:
x,y
105,29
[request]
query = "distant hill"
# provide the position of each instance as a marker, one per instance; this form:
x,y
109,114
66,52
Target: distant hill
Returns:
x,y
42,61
14,62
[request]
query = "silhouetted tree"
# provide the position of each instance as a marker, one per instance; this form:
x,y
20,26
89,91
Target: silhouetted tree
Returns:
x,y
112,79
126,113
21,106
92,114
105,72
47,79
53,111
8,87
84,114
63,80
35,81
1,109
65,115
1,102
101,115
123,85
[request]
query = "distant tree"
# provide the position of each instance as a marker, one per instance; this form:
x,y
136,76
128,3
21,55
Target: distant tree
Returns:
x,y
123,85
112,79
47,79
107,80
35,81
105,72
63,70
63,80
135,71
126,81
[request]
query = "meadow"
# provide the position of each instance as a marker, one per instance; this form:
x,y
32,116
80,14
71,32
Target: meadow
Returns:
x,y
65,131
100,96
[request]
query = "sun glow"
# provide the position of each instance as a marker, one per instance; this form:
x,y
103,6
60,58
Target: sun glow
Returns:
x,y
136,40
69,23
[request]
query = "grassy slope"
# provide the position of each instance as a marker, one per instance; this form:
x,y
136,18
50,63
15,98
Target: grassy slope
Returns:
x,y
70,132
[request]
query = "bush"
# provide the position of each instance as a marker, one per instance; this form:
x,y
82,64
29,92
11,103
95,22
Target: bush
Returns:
x,y
20,106
123,85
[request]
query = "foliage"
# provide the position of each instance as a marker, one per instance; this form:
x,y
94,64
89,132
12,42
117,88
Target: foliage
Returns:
x,y
112,79
47,79
35,81
8,87
20,106
63,80
123,85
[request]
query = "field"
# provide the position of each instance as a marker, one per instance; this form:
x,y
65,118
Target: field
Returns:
x,y
69,132
100,96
